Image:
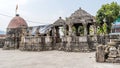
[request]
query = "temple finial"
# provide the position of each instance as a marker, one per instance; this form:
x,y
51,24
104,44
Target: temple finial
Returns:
x,y
60,17
80,8
16,9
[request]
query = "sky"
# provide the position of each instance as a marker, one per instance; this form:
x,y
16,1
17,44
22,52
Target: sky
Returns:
x,y
42,12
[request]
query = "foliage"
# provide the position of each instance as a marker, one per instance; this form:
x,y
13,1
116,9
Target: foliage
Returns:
x,y
105,28
99,30
73,29
81,30
91,30
63,30
110,13
102,29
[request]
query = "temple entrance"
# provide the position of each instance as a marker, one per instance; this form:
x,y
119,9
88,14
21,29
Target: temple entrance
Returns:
x,y
60,32
78,29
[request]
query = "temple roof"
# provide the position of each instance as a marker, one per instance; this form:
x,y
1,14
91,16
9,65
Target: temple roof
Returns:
x,y
17,22
43,29
59,22
81,16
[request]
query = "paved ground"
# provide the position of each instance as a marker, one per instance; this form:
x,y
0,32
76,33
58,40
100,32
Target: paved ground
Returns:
x,y
50,59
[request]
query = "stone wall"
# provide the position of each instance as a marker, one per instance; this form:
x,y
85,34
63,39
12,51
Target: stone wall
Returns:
x,y
76,44
2,43
13,38
103,39
46,43
33,43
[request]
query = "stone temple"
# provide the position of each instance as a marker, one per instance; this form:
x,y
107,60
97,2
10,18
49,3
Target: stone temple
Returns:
x,y
76,33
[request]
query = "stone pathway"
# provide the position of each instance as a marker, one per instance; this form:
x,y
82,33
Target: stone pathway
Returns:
x,y
50,59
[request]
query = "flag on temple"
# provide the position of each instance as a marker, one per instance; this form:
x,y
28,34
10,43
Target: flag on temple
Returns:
x,y
16,8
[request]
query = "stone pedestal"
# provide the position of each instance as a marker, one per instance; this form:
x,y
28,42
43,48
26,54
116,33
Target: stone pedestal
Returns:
x,y
100,54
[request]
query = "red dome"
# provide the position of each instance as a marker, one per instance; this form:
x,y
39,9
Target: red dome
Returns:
x,y
17,22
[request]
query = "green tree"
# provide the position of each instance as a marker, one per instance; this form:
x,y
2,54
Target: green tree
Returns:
x,y
81,30
103,29
110,13
73,30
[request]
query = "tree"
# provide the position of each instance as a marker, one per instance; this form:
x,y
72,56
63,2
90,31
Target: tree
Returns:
x,y
81,30
110,13
102,30
73,30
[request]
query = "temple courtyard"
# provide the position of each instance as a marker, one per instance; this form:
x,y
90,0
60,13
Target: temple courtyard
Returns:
x,y
50,59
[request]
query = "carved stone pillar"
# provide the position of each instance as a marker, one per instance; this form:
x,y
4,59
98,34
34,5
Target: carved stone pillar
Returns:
x,y
54,32
85,29
57,32
65,31
70,30
54,37
95,29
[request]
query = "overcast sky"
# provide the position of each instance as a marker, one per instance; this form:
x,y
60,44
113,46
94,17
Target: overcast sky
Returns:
x,y
46,11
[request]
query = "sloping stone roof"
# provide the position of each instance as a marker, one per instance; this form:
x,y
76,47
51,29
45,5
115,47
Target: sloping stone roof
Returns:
x,y
42,29
81,16
17,22
59,22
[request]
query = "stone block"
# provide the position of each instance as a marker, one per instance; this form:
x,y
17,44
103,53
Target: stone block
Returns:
x,y
111,60
100,54
117,60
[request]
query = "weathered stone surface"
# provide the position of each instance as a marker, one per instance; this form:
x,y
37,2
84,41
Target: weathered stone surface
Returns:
x,y
109,53
100,54
112,52
111,60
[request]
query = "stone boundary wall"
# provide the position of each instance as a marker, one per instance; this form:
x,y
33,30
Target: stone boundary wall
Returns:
x,y
2,43
46,43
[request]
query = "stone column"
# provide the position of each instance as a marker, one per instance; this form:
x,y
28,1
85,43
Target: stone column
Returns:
x,y
85,29
95,28
70,29
54,32
54,37
100,53
57,32
65,29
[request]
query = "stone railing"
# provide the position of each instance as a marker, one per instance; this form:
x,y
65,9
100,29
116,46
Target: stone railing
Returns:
x,y
68,43
33,43
103,39
2,42
76,44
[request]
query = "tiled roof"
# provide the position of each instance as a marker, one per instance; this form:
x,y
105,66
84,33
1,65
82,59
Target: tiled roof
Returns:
x,y
2,36
17,22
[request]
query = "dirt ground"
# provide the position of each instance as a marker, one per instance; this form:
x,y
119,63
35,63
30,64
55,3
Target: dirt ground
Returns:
x,y
50,59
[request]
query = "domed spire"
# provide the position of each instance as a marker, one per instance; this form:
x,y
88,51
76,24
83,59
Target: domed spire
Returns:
x,y
17,22
17,15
